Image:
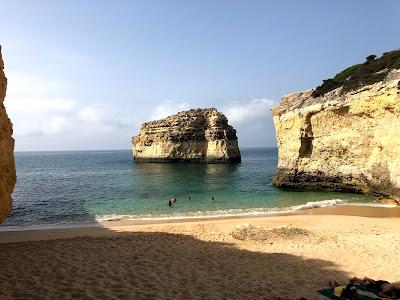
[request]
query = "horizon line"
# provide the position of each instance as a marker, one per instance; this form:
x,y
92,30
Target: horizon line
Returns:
x,y
93,150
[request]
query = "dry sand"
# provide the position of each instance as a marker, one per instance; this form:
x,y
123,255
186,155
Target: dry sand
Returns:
x,y
199,260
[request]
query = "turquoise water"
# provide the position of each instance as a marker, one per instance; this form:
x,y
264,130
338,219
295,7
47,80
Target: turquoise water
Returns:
x,y
73,187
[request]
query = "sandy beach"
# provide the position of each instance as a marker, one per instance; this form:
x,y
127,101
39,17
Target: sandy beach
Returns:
x,y
201,259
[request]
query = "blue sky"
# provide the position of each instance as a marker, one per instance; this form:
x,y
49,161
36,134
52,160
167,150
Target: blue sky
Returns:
x,y
86,74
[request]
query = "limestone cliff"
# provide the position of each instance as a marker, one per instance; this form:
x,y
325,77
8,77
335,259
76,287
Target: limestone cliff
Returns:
x,y
342,139
7,166
197,135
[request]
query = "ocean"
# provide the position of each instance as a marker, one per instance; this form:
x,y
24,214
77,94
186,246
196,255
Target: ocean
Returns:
x,y
56,188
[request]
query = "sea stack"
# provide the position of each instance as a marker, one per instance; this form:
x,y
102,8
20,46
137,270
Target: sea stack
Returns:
x,y
345,134
196,135
7,165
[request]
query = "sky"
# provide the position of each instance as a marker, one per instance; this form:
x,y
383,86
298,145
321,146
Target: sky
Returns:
x,y
83,75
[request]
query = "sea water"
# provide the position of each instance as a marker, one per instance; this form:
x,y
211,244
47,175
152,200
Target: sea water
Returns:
x,y
90,186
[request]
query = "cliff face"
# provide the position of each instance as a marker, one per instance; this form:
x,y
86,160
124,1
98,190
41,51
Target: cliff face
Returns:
x,y
7,165
346,141
197,135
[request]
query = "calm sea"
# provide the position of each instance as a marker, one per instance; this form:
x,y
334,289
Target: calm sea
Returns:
x,y
73,187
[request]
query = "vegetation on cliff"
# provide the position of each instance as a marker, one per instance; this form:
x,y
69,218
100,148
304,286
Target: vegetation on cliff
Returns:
x,y
371,71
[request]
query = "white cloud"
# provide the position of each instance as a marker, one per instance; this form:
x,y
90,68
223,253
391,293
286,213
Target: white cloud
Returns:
x,y
167,108
248,112
36,113
237,112
252,120
38,116
44,120
22,85
63,115
92,114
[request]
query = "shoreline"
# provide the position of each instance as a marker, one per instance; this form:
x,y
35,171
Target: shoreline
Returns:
x,y
23,233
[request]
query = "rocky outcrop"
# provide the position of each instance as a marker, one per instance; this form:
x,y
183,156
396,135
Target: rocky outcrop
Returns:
x,y
341,140
7,165
197,135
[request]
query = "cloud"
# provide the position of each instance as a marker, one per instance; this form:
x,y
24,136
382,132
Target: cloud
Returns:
x,y
36,113
167,108
238,112
252,120
22,85
44,120
248,112
43,117
39,116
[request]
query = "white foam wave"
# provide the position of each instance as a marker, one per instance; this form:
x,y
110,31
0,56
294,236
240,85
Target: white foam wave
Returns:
x,y
223,213
372,204
196,215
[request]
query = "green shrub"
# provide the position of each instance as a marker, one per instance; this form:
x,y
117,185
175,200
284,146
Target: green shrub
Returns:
x,y
371,71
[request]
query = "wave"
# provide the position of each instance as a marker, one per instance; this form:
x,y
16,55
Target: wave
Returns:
x,y
372,204
192,215
223,213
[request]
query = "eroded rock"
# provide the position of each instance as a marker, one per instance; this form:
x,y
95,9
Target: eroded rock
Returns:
x,y
7,165
341,141
197,135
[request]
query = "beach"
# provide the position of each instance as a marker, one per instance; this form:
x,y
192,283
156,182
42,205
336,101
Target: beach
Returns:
x,y
201,259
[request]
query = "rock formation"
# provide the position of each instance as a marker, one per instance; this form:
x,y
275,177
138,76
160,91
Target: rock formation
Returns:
x,y
344,138
7,165
197,135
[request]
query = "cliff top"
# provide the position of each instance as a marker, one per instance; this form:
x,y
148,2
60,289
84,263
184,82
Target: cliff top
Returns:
x,y
189,117
371,71
374,73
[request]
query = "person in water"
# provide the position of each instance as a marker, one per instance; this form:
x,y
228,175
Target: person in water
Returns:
x,y
188,197
212,199
382,288
171,201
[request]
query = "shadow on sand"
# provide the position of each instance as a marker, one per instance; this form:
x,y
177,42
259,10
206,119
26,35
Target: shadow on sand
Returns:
x,y
145,265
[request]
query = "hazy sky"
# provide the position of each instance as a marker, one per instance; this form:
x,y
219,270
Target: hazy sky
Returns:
x,y
85,74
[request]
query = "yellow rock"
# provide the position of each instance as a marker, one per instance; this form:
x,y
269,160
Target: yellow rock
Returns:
x,y
197,135
7,165
346,142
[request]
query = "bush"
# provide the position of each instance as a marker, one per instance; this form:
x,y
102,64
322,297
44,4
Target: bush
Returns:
x,y
371,58
357,76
